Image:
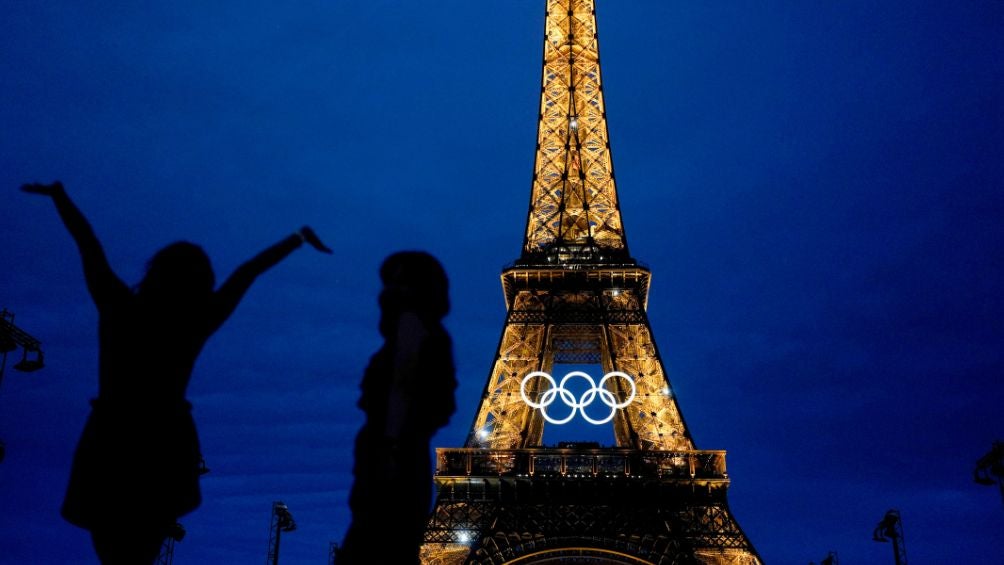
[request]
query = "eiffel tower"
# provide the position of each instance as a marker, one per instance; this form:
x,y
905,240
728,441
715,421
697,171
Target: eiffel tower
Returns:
x,y
576,296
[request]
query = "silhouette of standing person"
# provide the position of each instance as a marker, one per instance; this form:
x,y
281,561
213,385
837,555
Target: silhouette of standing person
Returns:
x,y
136,467
407,394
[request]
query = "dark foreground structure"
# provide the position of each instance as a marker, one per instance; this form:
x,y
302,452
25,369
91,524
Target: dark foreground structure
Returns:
x,y
577,297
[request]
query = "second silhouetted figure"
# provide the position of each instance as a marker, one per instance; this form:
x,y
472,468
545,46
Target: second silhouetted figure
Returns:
x,y
407,394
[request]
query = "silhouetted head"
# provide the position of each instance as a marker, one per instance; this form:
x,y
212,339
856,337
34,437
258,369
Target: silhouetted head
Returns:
x,y
414,281
179,274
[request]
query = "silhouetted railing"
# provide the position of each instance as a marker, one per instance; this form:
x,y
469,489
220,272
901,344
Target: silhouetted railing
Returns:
x,y
600,462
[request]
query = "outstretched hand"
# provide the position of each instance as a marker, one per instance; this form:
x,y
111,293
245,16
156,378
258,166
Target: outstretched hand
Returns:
x,y
310,237
43,189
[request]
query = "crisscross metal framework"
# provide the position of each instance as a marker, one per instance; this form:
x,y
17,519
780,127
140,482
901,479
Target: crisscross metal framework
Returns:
x,y
576,296
573,200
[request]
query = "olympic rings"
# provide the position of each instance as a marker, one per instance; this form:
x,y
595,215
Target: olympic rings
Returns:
x,y
596,390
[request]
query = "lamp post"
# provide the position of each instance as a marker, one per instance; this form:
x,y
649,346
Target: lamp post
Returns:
x,y
990,468
282,521
12,337
891,529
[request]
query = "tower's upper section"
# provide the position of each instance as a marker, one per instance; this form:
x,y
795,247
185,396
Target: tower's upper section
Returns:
x,y
574,216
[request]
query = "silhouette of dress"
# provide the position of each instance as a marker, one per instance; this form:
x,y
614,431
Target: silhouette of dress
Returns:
x,y
407,395
137,464
138,458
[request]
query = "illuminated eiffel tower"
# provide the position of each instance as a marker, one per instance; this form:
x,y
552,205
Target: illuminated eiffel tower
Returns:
x,y
576,296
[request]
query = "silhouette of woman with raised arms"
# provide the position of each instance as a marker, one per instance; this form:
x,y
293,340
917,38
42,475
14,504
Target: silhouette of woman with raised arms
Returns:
x,y
137,464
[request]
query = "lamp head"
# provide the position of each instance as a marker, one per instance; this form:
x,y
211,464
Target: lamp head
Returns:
x,y
28,365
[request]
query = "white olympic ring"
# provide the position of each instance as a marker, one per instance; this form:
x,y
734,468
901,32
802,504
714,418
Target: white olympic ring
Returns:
x,y
577,405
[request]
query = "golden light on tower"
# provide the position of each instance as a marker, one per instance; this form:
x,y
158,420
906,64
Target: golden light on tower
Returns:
x,y
573,196
577,297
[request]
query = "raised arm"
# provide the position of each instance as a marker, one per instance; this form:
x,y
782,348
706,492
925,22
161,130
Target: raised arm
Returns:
x,y
102,282
233,289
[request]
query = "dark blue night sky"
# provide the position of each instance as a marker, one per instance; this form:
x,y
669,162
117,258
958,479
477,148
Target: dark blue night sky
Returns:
x,y
818,188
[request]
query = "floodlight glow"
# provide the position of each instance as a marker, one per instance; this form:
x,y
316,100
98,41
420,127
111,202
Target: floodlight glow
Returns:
x,y
595,390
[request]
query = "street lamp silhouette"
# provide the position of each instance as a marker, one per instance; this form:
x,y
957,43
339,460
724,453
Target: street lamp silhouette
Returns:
x,y
891,529
11,337
282,521
175,533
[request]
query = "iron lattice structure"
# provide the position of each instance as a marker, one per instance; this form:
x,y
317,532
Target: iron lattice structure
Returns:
x,y
576,296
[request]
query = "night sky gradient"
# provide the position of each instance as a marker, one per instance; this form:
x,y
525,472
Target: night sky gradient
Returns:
x,y
818,188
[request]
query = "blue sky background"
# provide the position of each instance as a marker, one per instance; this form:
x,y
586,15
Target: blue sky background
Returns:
x,y
816,186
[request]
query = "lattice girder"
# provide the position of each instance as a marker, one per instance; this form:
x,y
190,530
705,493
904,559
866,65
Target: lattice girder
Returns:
x,y
444,553
656,521
573,197
654,416
503,417
569,317
576,296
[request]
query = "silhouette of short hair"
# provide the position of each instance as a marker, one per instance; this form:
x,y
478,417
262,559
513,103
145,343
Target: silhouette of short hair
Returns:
x,y
178,272
415,280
